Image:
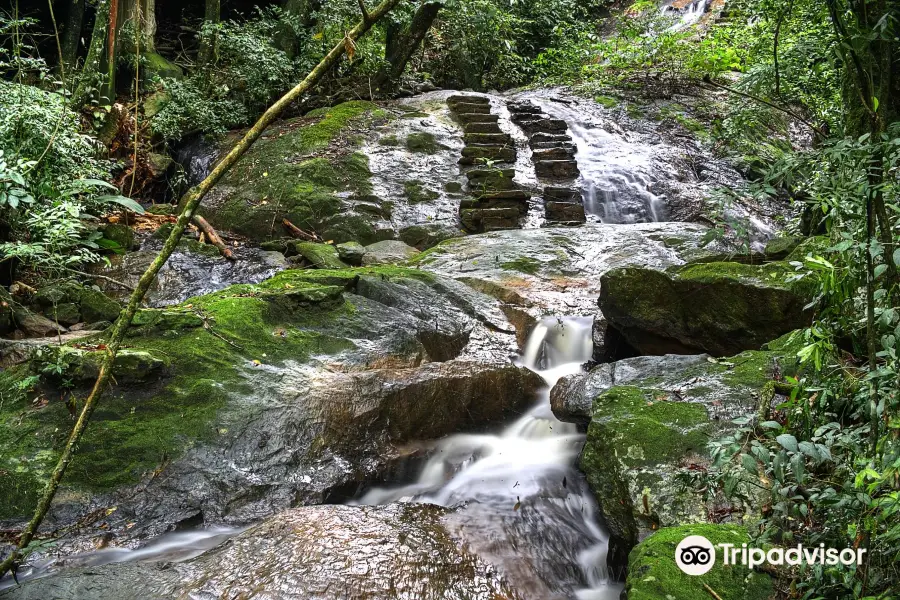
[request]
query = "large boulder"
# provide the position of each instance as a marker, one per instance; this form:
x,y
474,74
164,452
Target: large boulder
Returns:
x,y
654,575
718,307
643,433
237,404
313,553
309,171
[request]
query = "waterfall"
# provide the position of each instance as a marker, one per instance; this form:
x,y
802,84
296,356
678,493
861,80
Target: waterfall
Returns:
x,y
530,462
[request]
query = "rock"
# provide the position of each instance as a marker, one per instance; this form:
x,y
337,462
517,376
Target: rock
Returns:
x,y
322,256
159,164
720,308
556,169
417,193
564,212
32,325
241,403
488,139
351,252
423,237
422,142
97,306
780,247
659,420
67,313
653,574
286,176
572,398
388,252
154,64
122,235
310,553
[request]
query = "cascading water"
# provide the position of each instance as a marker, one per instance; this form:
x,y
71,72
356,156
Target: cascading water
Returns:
x,y
687,13
616,174
521,502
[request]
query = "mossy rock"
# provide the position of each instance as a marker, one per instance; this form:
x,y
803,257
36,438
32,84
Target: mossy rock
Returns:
x,y
285,176
156,64
351,252
719,307
654,575
642,433
422,142
93,305
417,193
121,235
322,256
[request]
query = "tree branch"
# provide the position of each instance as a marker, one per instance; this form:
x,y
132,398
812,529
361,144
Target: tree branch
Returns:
x,y
191,201
708,80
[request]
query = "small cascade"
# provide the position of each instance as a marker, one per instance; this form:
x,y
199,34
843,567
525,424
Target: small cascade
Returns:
x,y
553,153
496,200
519,498
688,12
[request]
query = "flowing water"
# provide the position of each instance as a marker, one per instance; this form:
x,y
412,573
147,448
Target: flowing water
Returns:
x,y
686,13
522,501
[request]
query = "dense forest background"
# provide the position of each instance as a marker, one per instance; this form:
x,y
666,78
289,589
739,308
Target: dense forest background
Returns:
x,y
98,96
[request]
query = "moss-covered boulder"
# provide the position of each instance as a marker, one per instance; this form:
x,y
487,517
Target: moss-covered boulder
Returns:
x,y
643,433
654,575
720,307
73,302
321,256
306,170
249,400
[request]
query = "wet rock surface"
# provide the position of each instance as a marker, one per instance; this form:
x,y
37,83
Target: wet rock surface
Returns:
x,y
324,552
644,430
257,398
717,307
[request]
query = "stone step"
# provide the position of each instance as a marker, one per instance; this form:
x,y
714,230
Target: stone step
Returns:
x,y
487,138
466,118
519,205
519,195
555,126
562,194
549,145
564,212
556,169
524,107
489,219
485,173
482,128
473,154
465,99
557,153
542,137
484,109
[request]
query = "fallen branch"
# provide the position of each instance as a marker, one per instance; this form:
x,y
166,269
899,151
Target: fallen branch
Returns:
x,y
212,237
299,233
190,202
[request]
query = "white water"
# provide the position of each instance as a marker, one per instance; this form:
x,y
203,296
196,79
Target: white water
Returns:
x,y
520,484
688,15
616,173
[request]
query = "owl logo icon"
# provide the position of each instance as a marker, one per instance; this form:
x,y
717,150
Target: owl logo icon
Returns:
x,y
695,555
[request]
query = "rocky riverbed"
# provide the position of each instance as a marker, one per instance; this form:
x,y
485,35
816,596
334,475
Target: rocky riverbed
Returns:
x,y
369,414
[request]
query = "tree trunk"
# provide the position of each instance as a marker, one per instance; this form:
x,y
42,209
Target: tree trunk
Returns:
x,y
137,13
72,33
402,43
211,16
97,79
190,202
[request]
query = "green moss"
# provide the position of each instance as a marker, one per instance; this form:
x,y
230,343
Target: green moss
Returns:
x,y
416,192
422,142
654,575
323,256
389,140
277,179
606,101
523,264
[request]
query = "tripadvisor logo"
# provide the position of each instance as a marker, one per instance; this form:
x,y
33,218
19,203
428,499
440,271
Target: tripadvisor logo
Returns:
x,y
696,555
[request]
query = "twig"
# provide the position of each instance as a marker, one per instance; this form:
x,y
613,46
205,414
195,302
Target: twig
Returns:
x,y
212,237
104,278
708,80
711,591
297,232
365,12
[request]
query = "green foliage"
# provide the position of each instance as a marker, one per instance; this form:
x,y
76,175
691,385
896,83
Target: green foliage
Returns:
x,y
247,73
